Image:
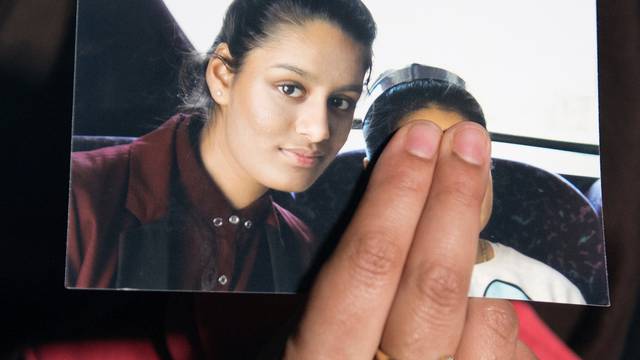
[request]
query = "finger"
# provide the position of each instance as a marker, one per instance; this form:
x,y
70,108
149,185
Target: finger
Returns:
x,y
353,292
490,332
428,314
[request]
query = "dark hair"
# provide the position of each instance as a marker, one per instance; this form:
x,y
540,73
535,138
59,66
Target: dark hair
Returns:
x,y
397,102
248,23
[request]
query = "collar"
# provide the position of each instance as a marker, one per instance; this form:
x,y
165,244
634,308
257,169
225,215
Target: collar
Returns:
x,y
201,191
155,157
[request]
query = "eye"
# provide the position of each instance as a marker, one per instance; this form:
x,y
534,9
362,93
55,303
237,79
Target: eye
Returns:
x,y
291,90
340,103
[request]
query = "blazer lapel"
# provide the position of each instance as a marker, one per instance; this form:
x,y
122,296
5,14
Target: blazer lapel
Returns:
x,y
143,261
284,261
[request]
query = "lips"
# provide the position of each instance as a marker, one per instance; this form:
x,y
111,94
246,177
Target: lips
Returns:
x,y
302,157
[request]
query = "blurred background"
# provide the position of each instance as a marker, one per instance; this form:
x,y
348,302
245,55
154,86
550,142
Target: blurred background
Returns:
x,y
37,44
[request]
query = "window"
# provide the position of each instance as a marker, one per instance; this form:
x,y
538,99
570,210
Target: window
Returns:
x,y
531,64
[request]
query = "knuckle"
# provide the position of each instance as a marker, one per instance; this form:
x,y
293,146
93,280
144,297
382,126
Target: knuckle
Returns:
x,y
374,257
501,320
440,288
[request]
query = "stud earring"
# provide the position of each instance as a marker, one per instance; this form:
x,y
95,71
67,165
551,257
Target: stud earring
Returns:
x,y
218,93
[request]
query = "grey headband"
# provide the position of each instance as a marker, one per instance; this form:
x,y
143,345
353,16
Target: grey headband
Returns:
x,y
391,78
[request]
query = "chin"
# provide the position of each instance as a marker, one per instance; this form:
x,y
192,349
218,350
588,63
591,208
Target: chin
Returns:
x,y
289,185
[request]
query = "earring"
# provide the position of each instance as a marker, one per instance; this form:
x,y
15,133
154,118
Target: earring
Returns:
x,y
218,93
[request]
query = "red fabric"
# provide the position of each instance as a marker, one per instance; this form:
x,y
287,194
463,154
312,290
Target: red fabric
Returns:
x,y
533,332
114,349
104,202
94,350
538,337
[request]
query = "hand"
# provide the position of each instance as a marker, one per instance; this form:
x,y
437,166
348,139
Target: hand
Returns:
x,y
399,278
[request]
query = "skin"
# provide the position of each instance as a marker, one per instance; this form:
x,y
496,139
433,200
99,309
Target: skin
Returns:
x,y
281,119
445,119
400,283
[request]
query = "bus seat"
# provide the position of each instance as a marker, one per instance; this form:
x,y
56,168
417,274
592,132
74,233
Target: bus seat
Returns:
x,y
87,143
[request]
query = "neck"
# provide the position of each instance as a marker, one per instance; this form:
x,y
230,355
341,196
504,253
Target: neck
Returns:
x,y
236,184
485,251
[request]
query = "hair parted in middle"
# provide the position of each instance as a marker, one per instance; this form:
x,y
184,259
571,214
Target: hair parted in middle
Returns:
x,y
396,102
249,23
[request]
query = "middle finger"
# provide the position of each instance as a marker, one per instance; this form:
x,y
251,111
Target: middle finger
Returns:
x,y
428,313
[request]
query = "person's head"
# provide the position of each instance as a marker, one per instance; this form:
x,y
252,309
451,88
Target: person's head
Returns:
x,y
443,101
280,85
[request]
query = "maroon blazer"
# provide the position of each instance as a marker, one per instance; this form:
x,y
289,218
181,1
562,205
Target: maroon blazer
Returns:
x,y
118,231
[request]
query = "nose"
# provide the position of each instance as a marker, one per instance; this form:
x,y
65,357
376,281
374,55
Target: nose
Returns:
x,y
313,121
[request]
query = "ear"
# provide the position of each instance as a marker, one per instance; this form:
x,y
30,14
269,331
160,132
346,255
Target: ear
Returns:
x,y
219,75
365,162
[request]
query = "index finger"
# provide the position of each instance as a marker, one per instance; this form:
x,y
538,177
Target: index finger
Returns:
x,y
354,291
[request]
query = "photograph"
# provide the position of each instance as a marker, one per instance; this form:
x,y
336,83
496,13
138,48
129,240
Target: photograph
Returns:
x,y
225,146
336,179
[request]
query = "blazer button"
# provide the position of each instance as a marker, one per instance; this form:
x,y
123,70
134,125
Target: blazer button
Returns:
x,y
222,280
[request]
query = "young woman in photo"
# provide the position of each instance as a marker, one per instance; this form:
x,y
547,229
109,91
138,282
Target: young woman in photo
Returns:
x,y
187,206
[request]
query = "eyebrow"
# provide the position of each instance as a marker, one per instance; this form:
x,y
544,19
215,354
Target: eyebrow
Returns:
x,y
296,70
352,87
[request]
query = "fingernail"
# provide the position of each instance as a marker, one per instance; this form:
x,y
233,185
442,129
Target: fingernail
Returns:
x,y
471,144
423,139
